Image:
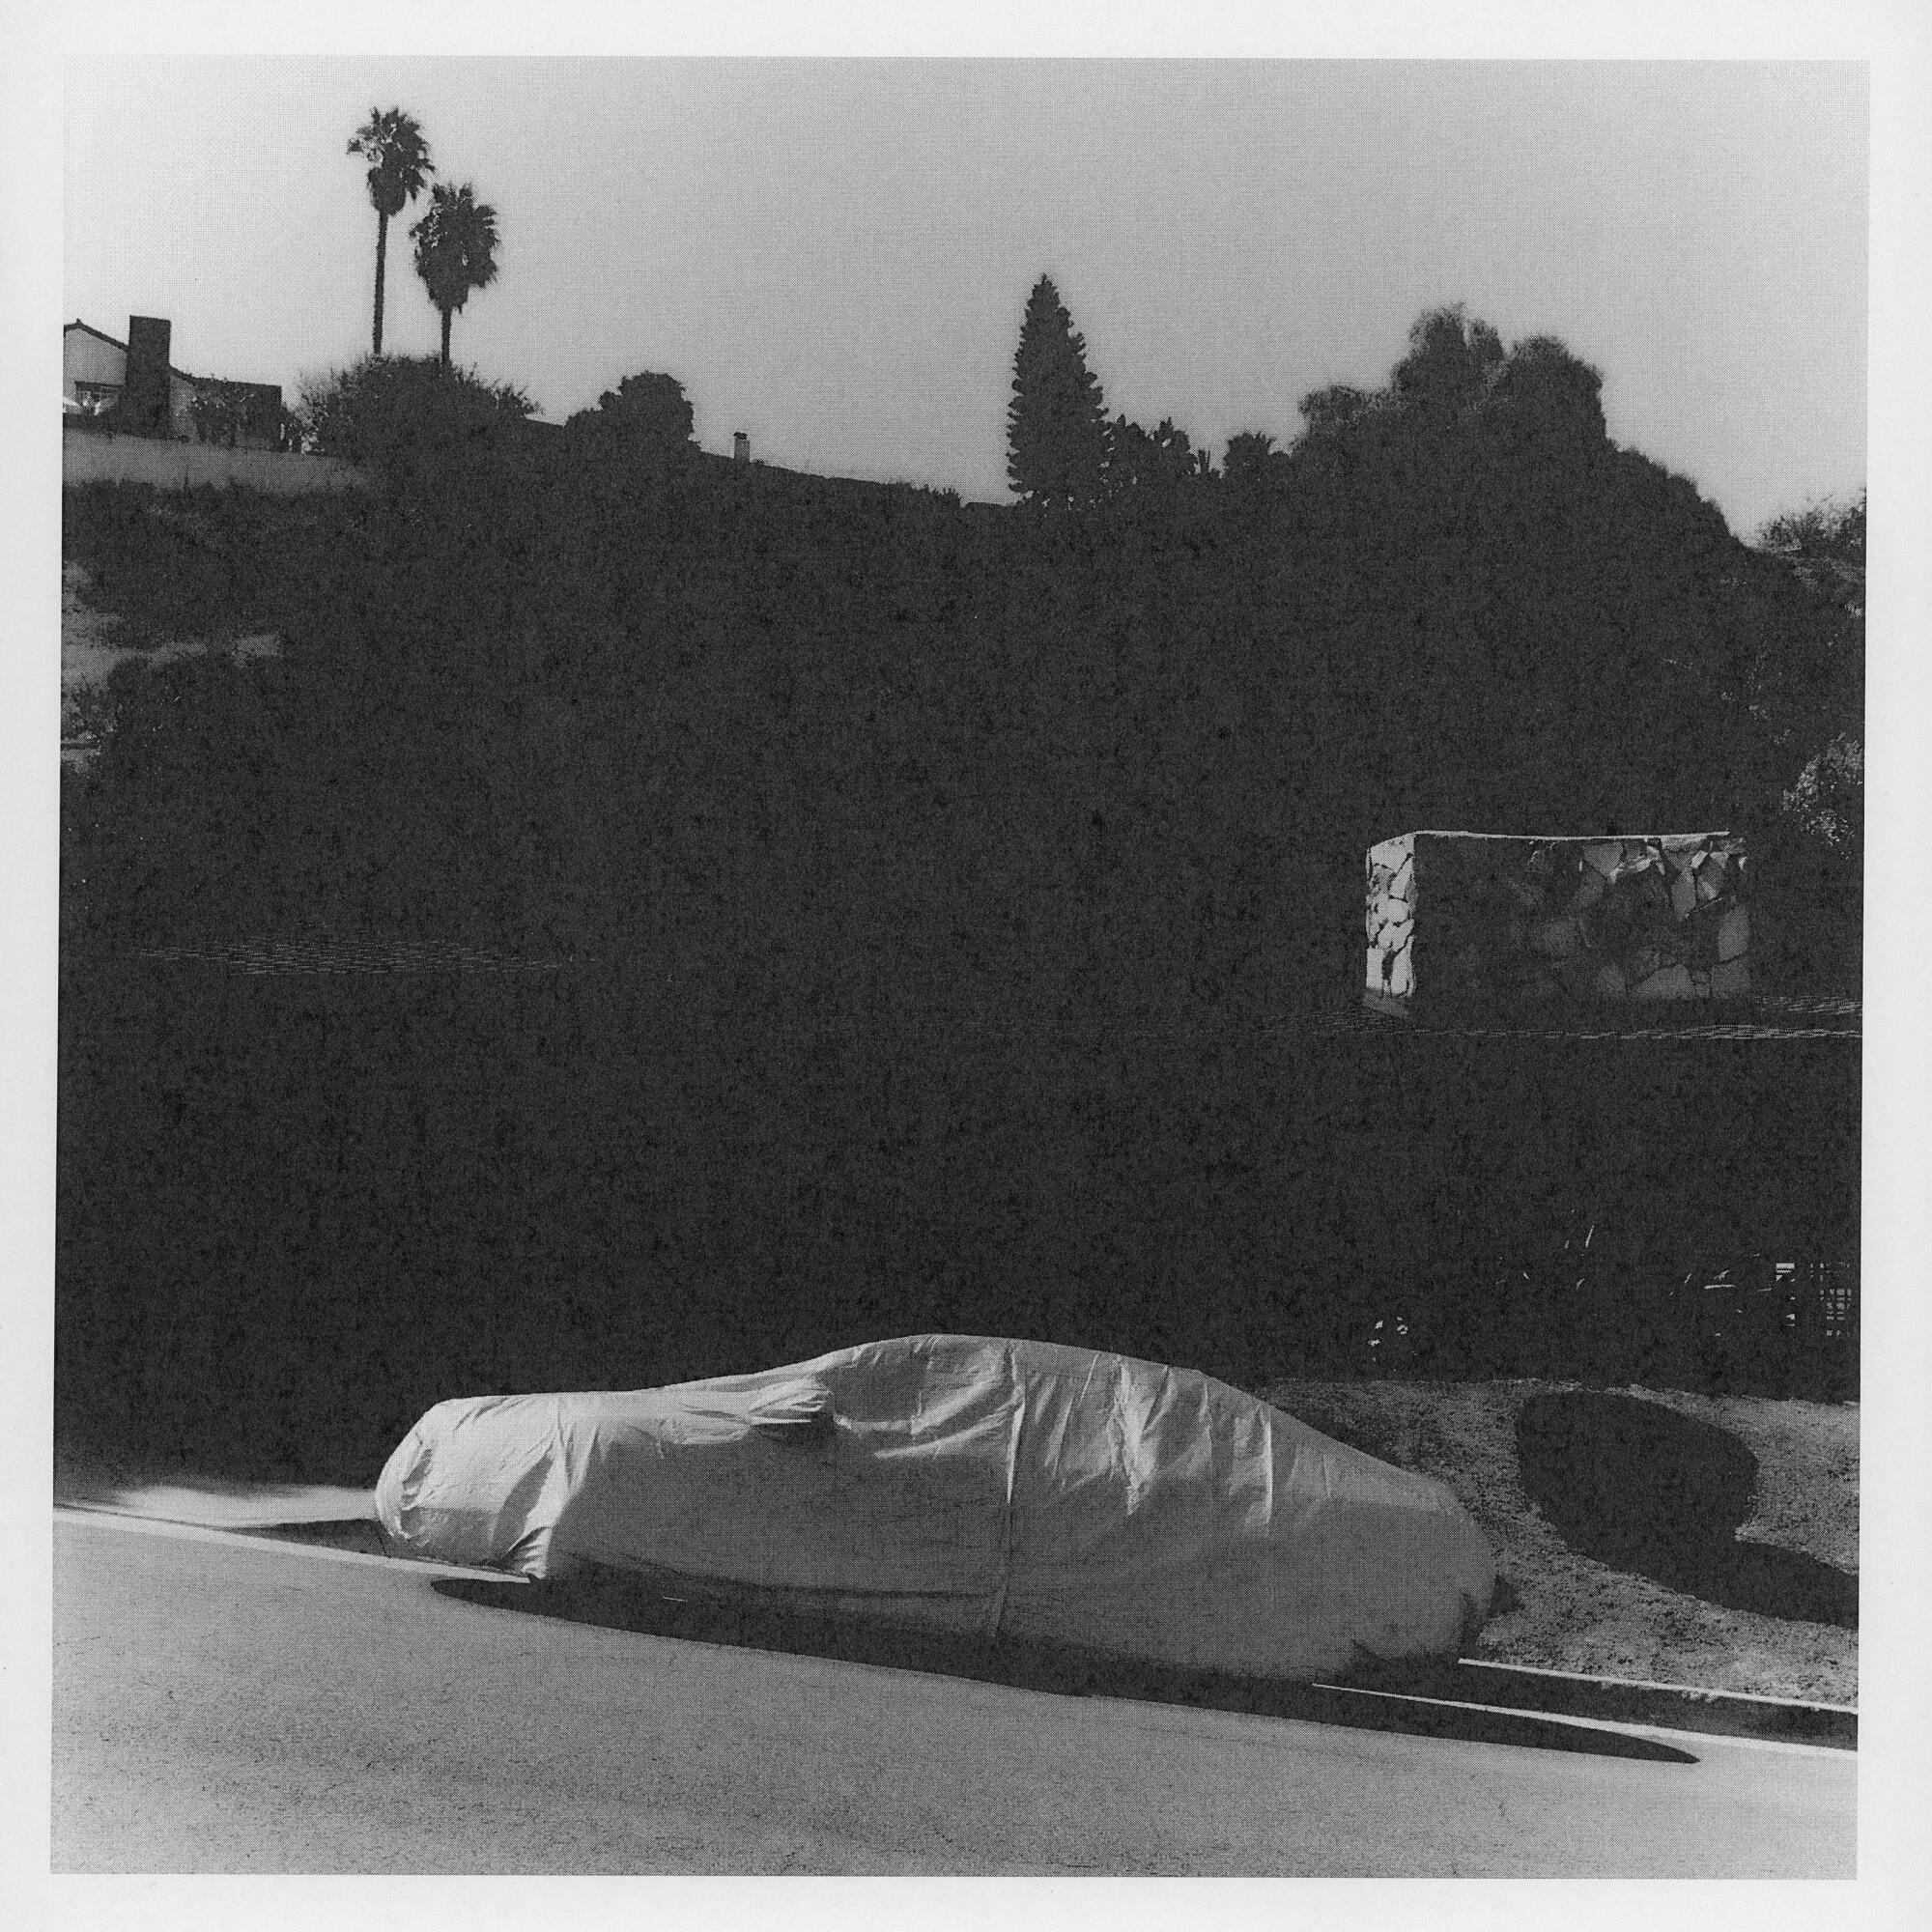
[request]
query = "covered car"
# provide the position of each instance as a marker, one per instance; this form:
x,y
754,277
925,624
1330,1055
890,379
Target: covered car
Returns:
x,y
974,1485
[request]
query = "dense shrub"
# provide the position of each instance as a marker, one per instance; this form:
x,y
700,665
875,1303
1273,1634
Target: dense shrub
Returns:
x,y
208,564
405,416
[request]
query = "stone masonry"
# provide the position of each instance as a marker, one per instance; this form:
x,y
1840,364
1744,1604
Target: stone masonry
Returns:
x,y
1463,919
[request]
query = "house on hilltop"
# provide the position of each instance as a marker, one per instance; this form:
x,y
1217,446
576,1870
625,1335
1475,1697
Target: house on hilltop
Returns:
x,y
134,388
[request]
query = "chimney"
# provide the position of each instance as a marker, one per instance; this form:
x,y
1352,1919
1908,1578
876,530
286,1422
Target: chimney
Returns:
x,y
741,447
143,388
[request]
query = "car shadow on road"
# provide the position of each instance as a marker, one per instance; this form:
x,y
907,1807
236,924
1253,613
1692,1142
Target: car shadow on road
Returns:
x,y
1399,1701
1640,1486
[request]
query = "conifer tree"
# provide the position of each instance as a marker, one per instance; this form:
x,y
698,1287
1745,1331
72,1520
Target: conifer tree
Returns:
x,y
1057,422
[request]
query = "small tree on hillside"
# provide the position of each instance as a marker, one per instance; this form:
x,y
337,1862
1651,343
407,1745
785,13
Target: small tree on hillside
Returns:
x,y
1247,458
649,411
1150,464
1328,412
1547,392
1057,421
1449,360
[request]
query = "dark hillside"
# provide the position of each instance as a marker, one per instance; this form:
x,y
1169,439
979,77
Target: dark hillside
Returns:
x,y
1139,760
941,909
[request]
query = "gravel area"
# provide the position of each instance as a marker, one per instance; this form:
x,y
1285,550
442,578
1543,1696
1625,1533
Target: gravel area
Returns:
x,y
1749,1621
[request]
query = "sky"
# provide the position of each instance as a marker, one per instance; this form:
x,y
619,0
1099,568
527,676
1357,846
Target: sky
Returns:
x,y
834,255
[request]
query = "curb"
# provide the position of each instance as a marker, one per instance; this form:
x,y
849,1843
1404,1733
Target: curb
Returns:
x,y
1678,1707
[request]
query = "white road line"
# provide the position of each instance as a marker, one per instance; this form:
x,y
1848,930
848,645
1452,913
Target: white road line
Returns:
x,y
1685,1739
1717,1698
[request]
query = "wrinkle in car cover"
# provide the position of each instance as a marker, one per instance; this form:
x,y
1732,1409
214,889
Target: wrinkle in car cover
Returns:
x,y
970,1485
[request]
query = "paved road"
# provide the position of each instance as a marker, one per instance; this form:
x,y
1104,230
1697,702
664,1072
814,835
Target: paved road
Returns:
x,y
229,1704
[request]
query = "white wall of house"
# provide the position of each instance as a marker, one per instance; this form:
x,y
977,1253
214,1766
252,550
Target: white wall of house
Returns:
x,y
89,364
92,456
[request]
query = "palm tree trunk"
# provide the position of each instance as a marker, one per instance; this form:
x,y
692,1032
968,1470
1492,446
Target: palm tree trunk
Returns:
x,y
447,315
382,254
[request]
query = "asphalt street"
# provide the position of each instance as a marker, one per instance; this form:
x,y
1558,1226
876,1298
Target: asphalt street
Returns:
x,y
230,1704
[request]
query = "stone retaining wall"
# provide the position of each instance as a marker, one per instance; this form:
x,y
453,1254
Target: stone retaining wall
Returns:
x,y
1463,919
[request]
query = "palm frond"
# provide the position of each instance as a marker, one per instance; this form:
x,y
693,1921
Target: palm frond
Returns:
x,y
398,156
456,246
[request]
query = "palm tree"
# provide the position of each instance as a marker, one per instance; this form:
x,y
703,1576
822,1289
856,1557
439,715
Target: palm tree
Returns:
x,y
399,167
456,250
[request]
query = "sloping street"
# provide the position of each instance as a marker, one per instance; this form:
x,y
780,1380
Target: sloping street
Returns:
x,y
224,1703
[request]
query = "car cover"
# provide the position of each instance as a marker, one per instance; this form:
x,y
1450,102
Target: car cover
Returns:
x,y
999,1487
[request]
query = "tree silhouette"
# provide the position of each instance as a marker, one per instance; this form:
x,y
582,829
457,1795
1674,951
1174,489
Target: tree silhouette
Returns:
x,y
1549,394
1057,421
649,409
456,250
399,168
1330,411
407,414
1150,464
1449,360
1505,576
1246,461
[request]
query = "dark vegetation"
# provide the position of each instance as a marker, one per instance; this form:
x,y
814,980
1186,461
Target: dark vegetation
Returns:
x,y
649,411
409,418
456,251
1057,432
944,913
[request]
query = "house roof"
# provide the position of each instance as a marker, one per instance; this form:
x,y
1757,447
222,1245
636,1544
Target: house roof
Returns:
x,y
98,334
101,335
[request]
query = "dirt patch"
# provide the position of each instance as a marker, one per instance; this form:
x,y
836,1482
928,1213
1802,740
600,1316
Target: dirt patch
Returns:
x,y
92,651
1565,1609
